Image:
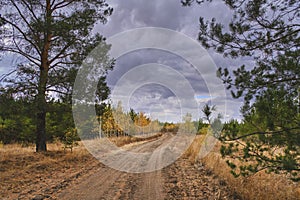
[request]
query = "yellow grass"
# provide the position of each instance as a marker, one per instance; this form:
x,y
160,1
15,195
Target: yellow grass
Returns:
x,y
261,186
192,152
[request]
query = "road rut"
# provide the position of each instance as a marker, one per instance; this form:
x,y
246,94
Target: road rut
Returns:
x,y
181,180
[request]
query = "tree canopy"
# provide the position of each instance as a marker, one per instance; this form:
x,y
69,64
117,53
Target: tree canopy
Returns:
x,y
267,27
268,32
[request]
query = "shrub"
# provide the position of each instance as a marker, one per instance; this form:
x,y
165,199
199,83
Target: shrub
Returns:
x,y
70,139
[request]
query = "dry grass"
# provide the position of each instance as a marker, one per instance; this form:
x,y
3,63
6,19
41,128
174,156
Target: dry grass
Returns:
x,y
261,186
121,141
192,152
25,173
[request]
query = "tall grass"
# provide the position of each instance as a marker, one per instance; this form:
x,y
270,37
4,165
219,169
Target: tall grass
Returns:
x,y
260,186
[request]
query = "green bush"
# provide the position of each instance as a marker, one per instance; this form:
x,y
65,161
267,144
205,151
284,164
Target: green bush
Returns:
x,y
71,139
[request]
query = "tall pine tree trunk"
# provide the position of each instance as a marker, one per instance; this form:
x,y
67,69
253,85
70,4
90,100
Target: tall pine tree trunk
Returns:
x,y
41,112
43,79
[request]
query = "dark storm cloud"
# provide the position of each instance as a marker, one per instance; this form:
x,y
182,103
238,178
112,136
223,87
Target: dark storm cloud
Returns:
x,y
154,91
133,59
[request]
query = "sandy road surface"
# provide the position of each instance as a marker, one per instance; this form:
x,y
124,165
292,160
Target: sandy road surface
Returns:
x,y
181,180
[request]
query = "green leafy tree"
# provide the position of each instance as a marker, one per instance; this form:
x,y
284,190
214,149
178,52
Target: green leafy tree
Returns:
x,y
16,118
102,93
51,37
59,119
268,31
200,125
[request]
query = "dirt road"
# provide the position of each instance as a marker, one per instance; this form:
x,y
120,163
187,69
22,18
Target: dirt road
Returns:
x,y
181,180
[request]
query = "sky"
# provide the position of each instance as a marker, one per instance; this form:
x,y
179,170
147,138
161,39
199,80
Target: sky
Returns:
x,y
155,99
177,86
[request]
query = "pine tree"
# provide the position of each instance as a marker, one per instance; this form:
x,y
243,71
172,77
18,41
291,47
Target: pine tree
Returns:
x,y
51,37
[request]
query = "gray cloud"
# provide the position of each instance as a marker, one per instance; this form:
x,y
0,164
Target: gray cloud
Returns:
x,y
170,14
157,13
